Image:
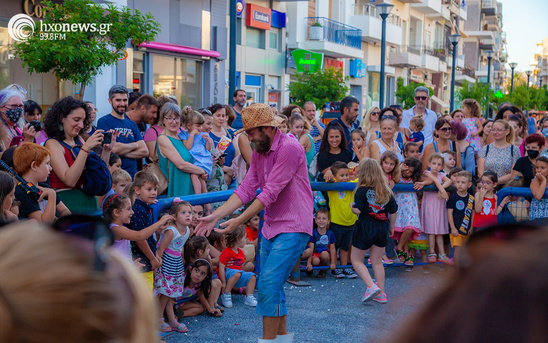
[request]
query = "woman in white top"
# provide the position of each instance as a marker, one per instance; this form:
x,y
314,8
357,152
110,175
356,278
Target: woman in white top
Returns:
x,y
387,140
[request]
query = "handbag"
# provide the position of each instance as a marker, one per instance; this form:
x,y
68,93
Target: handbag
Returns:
x,y
96,173
154,168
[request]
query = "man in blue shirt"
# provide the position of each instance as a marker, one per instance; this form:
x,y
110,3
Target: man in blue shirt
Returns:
x,y
239,97
350,108
317,128
129,142
430,117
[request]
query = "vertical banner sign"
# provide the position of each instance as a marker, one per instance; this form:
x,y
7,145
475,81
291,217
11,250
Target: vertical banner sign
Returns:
x,y
240,4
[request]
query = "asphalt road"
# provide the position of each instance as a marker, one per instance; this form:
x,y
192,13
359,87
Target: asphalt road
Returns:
x,y
328,311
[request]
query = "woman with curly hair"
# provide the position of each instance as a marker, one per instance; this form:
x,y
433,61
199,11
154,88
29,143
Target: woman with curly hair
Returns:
x,y
64,123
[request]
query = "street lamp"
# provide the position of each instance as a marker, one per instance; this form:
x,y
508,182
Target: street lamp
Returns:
x,y
528,73
383,10
513,66
454,39
489,58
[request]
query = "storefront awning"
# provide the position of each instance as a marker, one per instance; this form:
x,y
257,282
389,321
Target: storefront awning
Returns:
x,y
180,48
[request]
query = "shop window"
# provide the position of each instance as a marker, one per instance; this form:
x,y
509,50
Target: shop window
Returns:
x,y
138,82
254,38
179,77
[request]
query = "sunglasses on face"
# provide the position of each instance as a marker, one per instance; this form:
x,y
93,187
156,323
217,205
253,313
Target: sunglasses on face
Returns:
x,y
421,97
388,116
446,129
204,111
375,113
88,228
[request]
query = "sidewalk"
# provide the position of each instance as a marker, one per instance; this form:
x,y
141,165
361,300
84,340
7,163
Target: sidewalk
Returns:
x,y
328,311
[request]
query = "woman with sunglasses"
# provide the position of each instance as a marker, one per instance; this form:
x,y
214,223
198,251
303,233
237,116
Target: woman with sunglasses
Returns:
x,y
499,156
504,112
442,142
11,110
388,138
371,124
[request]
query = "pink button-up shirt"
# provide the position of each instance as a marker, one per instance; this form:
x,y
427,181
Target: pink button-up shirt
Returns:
x,y
282,175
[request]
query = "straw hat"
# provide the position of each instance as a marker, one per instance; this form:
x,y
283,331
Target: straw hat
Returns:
x,y
257,115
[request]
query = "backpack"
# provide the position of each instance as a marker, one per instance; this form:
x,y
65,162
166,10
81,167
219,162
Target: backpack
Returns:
x,y
98,180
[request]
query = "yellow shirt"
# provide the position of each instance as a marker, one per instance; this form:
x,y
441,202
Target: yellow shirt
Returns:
x,y
340,207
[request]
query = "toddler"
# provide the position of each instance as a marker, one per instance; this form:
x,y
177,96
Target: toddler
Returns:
x,y
359,145
416,125
283,126
486,202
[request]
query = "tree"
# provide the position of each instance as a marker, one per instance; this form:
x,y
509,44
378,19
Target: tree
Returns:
x,y
77,55
406,94
318,86
476,91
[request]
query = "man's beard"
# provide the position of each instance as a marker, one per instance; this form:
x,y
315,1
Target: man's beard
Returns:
x,y
241,104
262,145
117,110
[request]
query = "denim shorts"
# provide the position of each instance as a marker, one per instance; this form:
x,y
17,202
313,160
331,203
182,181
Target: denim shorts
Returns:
x,y
278,257
244,278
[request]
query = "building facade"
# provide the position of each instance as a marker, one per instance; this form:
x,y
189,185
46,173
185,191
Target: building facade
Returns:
x,y
540,64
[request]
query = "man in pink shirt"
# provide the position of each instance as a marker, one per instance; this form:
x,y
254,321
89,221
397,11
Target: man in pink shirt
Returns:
x,y
278,168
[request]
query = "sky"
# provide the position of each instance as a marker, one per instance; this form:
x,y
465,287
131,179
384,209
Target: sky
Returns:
x,y
525,23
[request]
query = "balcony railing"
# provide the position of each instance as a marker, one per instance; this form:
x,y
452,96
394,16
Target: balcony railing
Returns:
x,y
370,10
414,49
468,72
452,2
336,32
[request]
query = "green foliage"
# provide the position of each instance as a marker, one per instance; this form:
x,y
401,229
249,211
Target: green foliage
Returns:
x,y
80,56
477,91
318,86
406,94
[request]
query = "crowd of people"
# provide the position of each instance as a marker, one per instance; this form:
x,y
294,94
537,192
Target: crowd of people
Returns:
x,y
147,147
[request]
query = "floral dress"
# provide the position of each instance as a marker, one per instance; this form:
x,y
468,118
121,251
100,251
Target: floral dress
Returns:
x,y
169,279
475,142
539,209
408,213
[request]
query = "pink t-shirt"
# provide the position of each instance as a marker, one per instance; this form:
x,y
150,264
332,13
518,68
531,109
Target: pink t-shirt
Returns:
x,y
151,134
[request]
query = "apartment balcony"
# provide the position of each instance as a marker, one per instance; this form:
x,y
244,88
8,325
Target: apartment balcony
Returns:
x,y
486,44
489,7
431,59
452,5
406,57
460,61
368,21
332,38
443,14
463,12
492,25
428,6
410,1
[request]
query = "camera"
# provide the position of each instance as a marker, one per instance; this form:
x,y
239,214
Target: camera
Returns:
x,y
36,124
107,138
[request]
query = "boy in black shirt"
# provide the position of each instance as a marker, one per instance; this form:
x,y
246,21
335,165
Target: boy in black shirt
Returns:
x,y
460,211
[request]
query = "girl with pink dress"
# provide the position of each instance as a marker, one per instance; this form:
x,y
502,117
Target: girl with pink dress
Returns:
x,y
472,112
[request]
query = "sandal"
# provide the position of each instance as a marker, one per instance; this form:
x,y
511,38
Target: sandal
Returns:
x,y
386,260
164,327
179,327
321,274
402,255
409,260
222,309
432,258
214,314
444,259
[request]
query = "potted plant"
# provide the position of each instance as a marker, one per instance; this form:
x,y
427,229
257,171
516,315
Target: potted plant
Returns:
x,y
316,31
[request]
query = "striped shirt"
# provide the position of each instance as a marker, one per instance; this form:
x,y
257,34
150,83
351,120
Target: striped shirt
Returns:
x,y
282,175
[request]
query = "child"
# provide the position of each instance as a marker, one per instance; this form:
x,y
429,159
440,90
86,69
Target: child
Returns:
x,y
231,261
539,204
472,110
198,247
7,195
408,224
168,279
198,144
460,212
31,162
197,212
198,284
145,190
114,163
343,219
296,126
217,243
120,180
283,126
486,202
433,210
416,125
450,159
518,207
322,244
376,207
117,212
359,145
411,149
391,167
252,234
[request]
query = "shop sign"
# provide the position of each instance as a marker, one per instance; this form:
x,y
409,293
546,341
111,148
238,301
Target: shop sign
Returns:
x,y
34,10
357,68
240,4
273,97
307,60
258,16
335,64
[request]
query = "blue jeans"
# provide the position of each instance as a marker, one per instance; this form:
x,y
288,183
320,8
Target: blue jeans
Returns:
x,y
278,257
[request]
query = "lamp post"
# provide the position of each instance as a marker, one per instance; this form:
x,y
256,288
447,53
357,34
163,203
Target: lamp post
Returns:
x,y
513,66
528,73
489,58
454,39
383,10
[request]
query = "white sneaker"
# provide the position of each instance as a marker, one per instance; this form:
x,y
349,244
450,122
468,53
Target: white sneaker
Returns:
x,y
226,299
250,300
